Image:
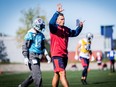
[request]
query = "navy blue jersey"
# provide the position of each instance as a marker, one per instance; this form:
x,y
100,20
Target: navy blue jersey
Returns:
x,y
111,55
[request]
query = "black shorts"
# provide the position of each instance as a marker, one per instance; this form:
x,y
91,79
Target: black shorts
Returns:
x,y
59,63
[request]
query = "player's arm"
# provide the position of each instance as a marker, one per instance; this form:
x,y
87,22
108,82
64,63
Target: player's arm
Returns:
x,y
25,51
73,33
25,48
45,50
77,51
52,23
47,56
26,45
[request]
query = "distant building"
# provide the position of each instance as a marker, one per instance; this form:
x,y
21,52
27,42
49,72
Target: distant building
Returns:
x,y
107,33
114,44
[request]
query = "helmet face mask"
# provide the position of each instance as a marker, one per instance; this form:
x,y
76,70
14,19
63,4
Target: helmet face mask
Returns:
x,y
42,26
39,24
89,36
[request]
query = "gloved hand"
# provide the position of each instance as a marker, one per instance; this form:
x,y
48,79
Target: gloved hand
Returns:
x,y
48,58
76,57
92,58
26,61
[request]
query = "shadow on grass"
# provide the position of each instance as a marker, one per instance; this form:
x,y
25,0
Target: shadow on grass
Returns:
x,y
103,82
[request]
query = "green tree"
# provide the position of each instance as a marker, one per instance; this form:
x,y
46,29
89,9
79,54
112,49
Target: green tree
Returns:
x,y
3,53
26,20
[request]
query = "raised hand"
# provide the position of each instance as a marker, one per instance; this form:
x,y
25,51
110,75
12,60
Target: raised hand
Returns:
x,y
81,24
59,7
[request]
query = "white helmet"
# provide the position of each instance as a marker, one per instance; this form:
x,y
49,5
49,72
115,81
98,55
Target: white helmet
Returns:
x,y
39,24
89,36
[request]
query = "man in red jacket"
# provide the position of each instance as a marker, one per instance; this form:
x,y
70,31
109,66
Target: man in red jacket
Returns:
x,y
59,41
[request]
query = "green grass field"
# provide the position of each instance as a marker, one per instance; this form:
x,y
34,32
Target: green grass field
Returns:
x,y
95,79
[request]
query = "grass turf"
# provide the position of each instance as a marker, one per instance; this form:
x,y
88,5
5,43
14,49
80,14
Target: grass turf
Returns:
x,y
95,78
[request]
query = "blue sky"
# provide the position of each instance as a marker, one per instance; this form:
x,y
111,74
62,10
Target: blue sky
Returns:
x,y
95,12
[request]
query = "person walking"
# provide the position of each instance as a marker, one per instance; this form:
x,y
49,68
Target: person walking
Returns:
x,y
59,35
33,50
83,53
111,54
99,60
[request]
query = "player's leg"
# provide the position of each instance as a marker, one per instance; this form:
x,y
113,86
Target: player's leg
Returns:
x,y
36,73
84,75
59,67
113,65
28,80
55,80
86,70
56,77
63,78
62,73
85,64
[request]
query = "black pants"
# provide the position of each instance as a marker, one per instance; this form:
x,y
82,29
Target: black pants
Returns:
x,y
112,65
85,64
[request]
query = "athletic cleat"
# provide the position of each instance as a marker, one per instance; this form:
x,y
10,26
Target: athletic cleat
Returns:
x,y
85,82
19,85
82,81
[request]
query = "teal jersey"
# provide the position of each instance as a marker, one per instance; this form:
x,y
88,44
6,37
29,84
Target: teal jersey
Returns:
x,y
37,42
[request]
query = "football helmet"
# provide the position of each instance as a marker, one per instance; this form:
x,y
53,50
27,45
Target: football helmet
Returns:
x,y
89,36
39,24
